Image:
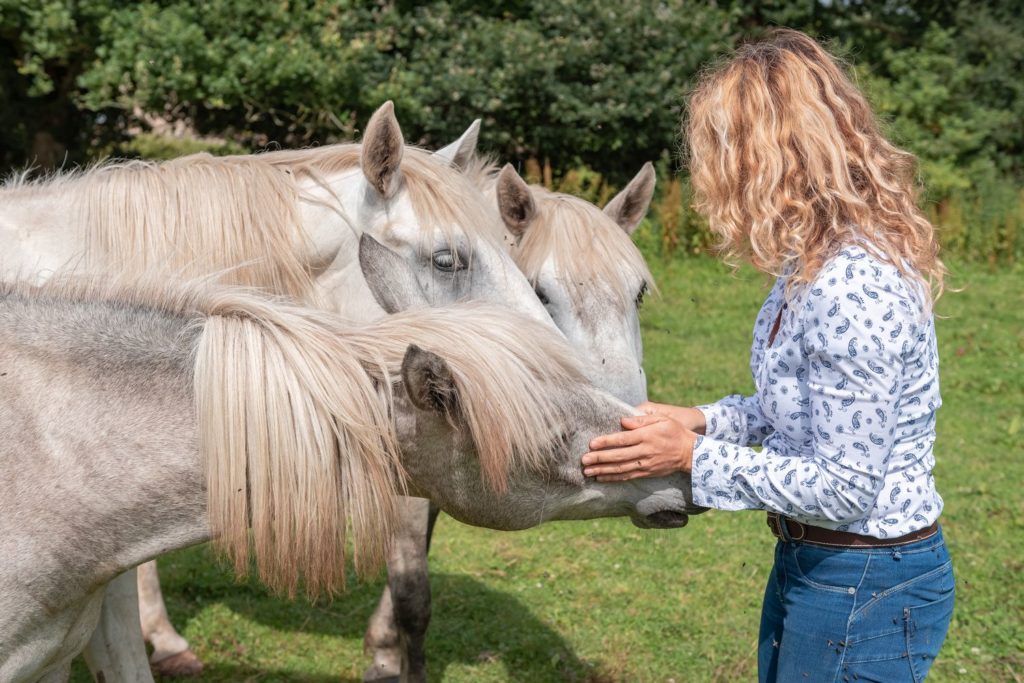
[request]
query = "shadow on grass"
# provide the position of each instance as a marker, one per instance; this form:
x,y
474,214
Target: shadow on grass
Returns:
x,y
472,622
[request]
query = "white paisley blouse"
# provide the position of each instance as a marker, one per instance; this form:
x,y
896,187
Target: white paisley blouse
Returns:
x,y
844,407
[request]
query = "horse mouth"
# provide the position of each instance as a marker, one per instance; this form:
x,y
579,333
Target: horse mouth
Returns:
x,y
663,519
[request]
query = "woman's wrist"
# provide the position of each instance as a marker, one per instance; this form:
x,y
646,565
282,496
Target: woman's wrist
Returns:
x,y
694,420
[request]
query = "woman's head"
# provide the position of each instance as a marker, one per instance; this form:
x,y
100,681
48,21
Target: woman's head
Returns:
x,y
788,163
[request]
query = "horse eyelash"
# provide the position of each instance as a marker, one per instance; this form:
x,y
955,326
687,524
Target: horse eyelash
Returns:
x,y
640,295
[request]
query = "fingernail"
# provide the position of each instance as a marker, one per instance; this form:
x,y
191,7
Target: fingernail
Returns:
x,y
588,473
587,459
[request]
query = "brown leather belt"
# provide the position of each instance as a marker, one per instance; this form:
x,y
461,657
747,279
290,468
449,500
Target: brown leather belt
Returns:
x,y
805,533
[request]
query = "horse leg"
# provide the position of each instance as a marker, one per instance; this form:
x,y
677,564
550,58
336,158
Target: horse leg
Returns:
x,y
397,630
171,654
115,651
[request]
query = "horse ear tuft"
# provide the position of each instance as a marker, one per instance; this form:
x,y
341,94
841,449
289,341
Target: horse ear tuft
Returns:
x,y
430,384
460,152
629,207
382,149
515,201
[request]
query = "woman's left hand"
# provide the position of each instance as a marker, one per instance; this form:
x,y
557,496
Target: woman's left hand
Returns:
x,y
651,446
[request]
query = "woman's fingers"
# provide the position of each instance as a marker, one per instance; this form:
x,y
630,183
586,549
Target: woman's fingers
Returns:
x,y
613,460
637,474
636,421
616,440
652,446
629,437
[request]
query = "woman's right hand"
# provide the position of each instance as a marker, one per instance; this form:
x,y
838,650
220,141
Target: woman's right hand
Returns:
x,y
691,418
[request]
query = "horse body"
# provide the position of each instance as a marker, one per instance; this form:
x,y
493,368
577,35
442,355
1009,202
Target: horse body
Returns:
x,y
142,471
134,430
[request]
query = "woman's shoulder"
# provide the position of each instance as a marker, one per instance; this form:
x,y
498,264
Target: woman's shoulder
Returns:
x,y
864,278
858,299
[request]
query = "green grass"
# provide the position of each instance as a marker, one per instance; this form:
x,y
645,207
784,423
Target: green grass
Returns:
x,y
602,601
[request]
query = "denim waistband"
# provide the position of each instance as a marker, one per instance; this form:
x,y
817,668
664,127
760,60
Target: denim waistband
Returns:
x,y
923,545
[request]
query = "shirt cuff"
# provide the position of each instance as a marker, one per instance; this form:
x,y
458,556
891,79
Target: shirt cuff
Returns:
x,y
711,476
720,422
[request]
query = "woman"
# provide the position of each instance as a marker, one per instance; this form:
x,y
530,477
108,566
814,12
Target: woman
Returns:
x,y
792,173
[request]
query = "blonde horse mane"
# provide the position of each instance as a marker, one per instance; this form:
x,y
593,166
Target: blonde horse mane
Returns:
x,y
197,215
587,247
239,215
296,414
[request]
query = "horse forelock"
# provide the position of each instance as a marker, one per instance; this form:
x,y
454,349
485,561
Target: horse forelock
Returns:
x,y
509,373
586,247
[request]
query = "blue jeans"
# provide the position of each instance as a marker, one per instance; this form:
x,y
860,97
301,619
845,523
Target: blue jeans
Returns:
x,y
855,614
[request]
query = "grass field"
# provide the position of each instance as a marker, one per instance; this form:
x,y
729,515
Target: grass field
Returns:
x,y
603,601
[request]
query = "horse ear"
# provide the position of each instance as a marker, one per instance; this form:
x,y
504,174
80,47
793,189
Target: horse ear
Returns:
x,y
390,279
382,150
462,150
429,382
515,201
629,207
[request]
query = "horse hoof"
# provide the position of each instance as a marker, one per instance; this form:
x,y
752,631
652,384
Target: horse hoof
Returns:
x,y
380,674
182,664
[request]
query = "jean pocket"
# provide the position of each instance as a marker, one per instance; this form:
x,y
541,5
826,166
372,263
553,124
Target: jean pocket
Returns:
x,y
926,626
838,571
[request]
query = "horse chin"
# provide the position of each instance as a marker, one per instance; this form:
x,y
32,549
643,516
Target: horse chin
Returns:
x,y
663,519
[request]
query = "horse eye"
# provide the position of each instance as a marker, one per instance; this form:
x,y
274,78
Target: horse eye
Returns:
x,y
540,295
640,295
444,260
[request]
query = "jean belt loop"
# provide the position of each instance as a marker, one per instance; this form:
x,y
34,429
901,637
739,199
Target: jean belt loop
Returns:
x,y
784,529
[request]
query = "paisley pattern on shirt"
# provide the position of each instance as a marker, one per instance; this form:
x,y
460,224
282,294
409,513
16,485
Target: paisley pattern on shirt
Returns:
x,y
844,407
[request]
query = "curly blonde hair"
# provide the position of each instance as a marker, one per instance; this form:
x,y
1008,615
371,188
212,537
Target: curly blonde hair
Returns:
x,y
788,165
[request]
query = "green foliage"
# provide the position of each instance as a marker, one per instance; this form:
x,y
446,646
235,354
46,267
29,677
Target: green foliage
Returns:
x,y
573,84
159,147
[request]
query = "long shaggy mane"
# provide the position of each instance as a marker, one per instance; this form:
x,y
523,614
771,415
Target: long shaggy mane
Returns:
x,y
240,215
295,410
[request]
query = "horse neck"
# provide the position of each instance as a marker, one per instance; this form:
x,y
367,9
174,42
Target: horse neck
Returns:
x,y
41,229
332,213
102,439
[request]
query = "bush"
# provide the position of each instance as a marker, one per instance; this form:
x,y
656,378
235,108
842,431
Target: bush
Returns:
x,y
570,84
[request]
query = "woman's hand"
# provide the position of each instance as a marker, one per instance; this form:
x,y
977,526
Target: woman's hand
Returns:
x,y
691,418
653,445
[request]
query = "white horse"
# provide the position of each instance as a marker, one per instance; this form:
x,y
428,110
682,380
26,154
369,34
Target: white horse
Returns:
x,y
288,222
592,280
199,214
143,420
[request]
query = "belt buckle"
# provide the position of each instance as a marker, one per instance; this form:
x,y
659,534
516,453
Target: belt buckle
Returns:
x,y
775,526
803,531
